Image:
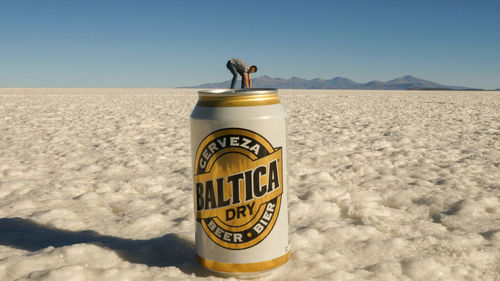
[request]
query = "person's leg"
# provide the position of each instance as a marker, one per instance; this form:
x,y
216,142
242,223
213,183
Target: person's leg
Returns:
x,y
231,68
242,81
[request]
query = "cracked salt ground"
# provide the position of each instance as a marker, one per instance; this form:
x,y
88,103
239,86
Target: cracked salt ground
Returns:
x,y
95,184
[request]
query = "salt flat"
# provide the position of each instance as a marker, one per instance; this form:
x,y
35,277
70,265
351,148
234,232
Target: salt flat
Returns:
x,y
95,184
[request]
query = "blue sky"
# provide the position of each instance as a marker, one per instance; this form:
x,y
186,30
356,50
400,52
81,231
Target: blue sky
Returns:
x,y
86,43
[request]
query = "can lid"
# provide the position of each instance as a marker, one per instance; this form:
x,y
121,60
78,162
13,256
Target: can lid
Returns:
x,y
239,92
238,97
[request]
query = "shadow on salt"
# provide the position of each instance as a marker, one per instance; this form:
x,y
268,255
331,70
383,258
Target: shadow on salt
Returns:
x,y
168,250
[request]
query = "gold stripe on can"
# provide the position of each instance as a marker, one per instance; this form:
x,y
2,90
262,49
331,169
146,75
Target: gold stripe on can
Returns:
x,y
241,97
243,267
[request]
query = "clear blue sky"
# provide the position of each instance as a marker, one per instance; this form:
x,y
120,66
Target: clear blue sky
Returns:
x,y
146,43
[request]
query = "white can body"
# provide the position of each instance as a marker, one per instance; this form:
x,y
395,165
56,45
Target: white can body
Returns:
x,y
238,144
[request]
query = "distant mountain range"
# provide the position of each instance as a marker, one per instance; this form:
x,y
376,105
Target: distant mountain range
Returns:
x,y
402,83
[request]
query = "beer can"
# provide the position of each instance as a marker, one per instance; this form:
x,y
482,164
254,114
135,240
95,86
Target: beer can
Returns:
x,y
239,154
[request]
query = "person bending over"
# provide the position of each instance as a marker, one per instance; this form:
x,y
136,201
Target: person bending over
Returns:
x,y
237,66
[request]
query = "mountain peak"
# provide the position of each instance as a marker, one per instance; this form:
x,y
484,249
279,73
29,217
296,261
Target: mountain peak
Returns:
x,y
403,79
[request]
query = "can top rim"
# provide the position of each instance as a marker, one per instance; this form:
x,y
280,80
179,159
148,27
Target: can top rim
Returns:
x,y
238,92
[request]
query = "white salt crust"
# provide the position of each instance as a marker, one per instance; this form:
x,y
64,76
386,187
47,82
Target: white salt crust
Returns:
x,y
95,184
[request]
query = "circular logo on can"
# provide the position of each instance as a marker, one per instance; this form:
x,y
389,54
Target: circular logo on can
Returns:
x,y
238,183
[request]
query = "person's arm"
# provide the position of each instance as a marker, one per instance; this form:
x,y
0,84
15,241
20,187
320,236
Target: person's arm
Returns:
x,y
249,80
245,79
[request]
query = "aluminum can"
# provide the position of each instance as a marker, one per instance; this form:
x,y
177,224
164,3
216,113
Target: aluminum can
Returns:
x,y
238,145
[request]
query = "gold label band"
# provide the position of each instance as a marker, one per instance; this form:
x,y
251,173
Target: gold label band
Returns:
x,y
238,184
